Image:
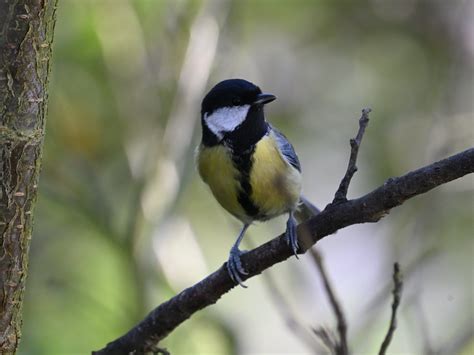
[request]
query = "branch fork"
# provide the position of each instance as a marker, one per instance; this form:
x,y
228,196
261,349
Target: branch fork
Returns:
x,y
339,214
341,193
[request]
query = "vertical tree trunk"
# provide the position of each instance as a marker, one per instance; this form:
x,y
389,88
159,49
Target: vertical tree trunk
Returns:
x,y
26,34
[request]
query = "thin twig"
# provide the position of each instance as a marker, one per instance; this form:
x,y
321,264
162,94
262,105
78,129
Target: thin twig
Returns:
x,y
328,338
341,345
369,312
341,193
369,208
397,294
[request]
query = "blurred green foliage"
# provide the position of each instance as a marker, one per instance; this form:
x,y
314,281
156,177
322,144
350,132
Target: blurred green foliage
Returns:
x,y
123,222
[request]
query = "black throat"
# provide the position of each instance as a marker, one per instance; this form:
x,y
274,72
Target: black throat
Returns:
x,y
245,136
242,141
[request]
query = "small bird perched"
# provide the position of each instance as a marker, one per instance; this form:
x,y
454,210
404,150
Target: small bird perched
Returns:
x,y
250,167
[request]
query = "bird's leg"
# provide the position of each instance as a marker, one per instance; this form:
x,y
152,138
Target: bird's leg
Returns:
x,y
291,235
234,265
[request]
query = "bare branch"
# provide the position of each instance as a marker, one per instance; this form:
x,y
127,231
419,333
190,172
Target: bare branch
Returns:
x,y
369,208
341,193
341,347
397,294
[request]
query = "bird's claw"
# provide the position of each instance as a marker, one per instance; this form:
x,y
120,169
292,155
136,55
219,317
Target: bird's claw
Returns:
x,y
235,268
292,236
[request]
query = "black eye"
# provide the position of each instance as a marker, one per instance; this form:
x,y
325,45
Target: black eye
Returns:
x,y
236,101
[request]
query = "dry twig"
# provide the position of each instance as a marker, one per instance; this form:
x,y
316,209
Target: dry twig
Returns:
x,y
341,193
339,346
397,294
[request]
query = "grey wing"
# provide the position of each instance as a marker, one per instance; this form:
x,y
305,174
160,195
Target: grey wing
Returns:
x,y
287,149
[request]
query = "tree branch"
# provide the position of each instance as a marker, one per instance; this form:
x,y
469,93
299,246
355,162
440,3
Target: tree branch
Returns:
x,y
340,346
369,208
26,37
397,295
341,193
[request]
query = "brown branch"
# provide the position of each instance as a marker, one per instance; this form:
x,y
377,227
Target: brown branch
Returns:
x,y
341,193
369,208
340,347
397,294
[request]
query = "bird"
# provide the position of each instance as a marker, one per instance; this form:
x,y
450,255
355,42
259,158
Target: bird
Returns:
x,y
250,167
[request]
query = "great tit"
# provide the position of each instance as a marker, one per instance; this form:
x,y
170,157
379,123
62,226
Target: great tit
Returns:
x,y
250,167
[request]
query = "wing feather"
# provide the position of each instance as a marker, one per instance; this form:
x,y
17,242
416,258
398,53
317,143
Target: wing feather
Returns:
x,y
286,149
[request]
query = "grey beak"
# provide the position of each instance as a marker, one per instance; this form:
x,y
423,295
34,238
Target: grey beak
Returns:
x,y
264,98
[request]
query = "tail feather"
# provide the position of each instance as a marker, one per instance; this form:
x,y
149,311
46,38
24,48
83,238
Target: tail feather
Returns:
x,y
305,210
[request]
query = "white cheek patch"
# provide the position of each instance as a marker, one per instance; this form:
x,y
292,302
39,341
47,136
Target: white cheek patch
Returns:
x,y
226,119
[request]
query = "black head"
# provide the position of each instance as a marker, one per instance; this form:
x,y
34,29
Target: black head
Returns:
x,y
233,92
232,113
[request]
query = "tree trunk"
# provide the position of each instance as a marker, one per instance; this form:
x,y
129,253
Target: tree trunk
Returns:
x,y
26,34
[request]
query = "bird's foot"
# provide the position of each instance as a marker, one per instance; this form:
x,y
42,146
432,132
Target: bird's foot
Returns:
x,y
291,235
234,266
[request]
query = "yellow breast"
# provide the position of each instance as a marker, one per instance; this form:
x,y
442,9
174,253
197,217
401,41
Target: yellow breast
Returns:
x,y
217,170
276,185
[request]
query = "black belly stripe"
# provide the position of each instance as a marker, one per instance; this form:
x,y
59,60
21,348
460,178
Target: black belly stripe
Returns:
x,y
243,163
242,142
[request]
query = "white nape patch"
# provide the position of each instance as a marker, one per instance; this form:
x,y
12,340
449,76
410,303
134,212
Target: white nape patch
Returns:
x,y
226,119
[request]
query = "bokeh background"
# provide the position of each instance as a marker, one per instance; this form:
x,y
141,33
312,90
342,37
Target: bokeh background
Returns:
x,y
123,221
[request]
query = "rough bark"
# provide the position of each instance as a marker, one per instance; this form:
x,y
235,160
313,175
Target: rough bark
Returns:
x,y
26,34
337,215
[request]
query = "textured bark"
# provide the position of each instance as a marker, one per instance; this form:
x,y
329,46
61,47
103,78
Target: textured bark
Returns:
x,y
26,34
369,208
